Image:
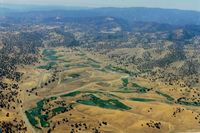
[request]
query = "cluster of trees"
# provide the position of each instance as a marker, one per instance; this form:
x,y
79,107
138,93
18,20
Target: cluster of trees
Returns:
x,y
15,126
153,124
9,96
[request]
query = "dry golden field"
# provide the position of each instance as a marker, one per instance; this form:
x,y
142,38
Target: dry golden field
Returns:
x,y
72,91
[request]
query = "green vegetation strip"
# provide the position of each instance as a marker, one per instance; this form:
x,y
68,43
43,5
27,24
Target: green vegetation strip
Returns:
x,y
49,66
74,75
31,118
118,69
93,63
50,54
165,95
139,88
183,101
75,93
109,104
125,82
142,99
71,94
58,110
36,112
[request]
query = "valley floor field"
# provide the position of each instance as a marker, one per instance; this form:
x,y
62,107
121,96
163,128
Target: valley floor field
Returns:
x,y
71,90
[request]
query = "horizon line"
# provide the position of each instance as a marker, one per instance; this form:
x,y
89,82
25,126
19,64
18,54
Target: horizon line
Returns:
x,y
28,6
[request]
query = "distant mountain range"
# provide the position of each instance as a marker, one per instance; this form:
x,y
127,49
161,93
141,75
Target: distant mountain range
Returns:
x,y
130,15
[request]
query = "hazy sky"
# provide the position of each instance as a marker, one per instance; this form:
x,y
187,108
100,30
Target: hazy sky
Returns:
x,y
177,4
